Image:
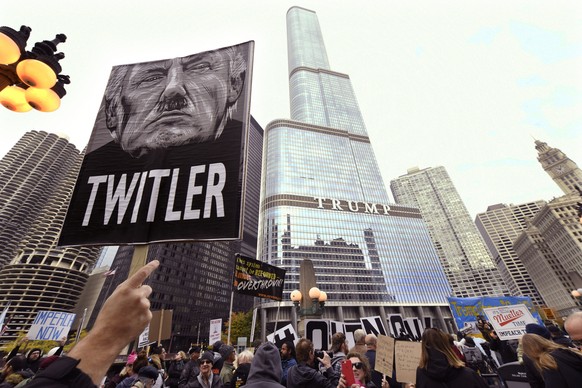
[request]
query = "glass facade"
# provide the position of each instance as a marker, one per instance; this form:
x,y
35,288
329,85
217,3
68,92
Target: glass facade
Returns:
x,y
323,197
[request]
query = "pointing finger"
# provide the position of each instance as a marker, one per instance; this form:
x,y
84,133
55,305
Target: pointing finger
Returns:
x,y
142,274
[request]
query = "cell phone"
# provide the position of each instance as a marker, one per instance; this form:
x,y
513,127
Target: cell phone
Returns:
x,y
348,373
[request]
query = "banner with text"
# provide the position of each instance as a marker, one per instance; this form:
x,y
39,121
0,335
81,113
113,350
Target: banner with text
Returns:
x,y
253,277
509,321
215,330
50,325
467,311
166,159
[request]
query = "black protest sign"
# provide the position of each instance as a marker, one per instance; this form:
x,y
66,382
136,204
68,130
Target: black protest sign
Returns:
x,y
253,277
166,160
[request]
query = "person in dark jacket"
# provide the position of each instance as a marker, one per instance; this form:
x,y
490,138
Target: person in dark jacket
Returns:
x,y
14,372
191,369
559,366
559,337
439,366
303,375
241,374
287,359
266,368
206,378
175,370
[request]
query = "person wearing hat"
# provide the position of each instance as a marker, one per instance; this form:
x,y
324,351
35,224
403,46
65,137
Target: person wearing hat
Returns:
x,y
228,354
205,379
266,369
191,369
146,377
14,372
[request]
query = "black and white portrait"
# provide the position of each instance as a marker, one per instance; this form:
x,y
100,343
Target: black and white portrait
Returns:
x,y
165,159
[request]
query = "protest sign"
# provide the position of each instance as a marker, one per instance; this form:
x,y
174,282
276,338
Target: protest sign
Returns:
x,y
385,355
144,337
50,325
407,358
509,321
160,168
253,277
284,334
215,330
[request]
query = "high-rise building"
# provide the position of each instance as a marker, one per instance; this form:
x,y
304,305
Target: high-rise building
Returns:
x,y
551,245
195,279
561,169
323,199
461,249
36,180
551,251
500,225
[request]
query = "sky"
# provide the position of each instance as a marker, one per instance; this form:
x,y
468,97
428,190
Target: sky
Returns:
x,y
467,85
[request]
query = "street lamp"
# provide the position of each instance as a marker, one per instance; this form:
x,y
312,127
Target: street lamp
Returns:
x,y
318,299
30,79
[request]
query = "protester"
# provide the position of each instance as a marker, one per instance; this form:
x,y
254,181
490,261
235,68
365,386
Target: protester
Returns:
x,y
573,325
303,375
287,359
206,378
175,369
559,337
439,366
191,369
218,360
243,368
228,354
360,338
135,365
146,377
505,348
339,348
158,360
560,367
88,361
15,371
265,370
362,372
33,356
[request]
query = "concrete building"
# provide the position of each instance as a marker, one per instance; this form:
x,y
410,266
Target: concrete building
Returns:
x,y
323,199
551,246
463,254
500,225
36,180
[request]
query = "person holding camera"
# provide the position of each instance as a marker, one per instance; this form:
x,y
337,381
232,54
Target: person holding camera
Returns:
x,y
304,375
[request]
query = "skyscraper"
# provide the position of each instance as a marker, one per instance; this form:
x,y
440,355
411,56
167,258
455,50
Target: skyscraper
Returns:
x,y
37,177
559,167
551,246
195,279
500,225
463,254
323,199
551,251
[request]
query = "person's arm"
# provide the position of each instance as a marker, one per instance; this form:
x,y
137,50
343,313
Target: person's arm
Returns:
x,y
122,318
14,351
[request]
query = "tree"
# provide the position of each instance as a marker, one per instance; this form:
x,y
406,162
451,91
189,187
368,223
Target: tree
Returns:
x,y
44,345
240,326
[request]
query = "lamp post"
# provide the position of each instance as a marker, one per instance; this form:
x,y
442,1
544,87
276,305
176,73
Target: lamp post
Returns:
x,y
30,79
315,308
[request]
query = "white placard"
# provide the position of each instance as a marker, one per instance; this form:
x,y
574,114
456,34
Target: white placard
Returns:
x,y
215,330
144,337
509,321
50,325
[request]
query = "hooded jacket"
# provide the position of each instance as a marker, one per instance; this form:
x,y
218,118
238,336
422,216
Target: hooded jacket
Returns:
x,y
266,368
569,372
439,373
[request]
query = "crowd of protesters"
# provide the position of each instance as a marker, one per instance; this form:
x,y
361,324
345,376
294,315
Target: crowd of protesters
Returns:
x,y
549,356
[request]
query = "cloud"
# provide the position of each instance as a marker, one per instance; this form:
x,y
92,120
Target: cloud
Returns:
x,y
485,35
547,46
